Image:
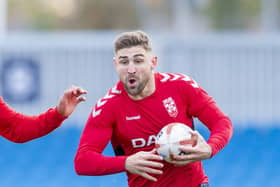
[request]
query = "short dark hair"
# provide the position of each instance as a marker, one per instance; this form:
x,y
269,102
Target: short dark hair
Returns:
x,y
131,39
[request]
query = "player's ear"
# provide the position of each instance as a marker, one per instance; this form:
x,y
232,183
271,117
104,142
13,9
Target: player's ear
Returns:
x,y
154,62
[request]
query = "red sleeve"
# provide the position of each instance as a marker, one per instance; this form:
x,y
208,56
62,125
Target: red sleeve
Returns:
x,y
202,106
96,135
21,128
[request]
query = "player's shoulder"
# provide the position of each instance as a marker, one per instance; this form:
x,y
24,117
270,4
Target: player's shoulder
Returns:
x,y
176,79
110,100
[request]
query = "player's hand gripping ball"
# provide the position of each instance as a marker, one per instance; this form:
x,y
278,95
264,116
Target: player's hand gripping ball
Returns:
x,y
171,137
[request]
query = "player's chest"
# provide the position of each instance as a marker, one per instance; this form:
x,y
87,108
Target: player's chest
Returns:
x,y
139,122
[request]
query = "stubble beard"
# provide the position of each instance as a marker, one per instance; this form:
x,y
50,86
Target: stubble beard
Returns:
x,y
134,91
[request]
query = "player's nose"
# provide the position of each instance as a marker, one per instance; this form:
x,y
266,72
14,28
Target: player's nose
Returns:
x,y
131,68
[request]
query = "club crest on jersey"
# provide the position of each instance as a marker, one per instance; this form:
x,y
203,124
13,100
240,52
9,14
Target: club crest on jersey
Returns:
x,y
170,107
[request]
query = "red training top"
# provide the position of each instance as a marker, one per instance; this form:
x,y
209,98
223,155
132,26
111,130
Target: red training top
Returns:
x,y
132,126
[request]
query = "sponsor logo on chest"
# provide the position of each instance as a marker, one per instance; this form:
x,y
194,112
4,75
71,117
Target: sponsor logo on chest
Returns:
x,y
141,142
170,107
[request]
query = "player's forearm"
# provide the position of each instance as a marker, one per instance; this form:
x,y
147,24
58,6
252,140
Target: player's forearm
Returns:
x,y
22,128
50,120
221,132
219,125
92,163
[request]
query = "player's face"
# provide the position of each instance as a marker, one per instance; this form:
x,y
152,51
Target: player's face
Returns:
x,y
135,69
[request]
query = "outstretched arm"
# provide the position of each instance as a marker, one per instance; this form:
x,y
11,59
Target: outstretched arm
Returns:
x,y
20,128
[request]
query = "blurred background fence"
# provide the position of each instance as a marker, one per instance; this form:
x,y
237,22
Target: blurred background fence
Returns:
x,y
240,72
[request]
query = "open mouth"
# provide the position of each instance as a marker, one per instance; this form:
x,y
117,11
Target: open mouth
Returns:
x,y
132,81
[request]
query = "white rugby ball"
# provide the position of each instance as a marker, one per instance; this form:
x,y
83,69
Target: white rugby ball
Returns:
x,y
171,137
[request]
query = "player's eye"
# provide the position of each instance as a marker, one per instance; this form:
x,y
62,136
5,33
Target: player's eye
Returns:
x,y
138,61
123,62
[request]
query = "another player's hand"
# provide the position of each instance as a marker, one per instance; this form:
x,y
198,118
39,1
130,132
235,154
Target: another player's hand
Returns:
x,y
145,164
70,99
200,151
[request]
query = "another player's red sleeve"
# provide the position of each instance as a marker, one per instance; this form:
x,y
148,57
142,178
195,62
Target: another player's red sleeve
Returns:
x,y
89,159
21,128
205,109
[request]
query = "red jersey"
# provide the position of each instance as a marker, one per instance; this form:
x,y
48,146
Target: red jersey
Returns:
x,y
21,128
132,125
